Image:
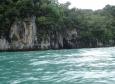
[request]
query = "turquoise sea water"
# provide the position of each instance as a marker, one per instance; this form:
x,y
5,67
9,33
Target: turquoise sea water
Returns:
x,y
76,66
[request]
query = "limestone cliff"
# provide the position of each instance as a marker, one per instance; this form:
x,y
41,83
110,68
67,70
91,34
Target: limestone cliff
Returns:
x,y
58,40
4,45
22,35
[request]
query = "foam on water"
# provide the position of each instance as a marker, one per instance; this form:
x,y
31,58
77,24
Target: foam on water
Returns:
x,y
76,66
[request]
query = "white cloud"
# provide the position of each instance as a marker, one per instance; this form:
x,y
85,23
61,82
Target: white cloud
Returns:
x,y
89,4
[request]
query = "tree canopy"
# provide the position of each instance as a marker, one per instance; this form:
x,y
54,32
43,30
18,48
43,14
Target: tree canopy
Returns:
x,y
53,16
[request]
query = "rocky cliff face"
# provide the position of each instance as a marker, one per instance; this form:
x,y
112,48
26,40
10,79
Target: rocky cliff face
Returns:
x,y
24,35
4,45
59,40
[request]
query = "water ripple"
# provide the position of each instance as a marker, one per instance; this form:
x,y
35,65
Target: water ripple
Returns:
x,y
76,66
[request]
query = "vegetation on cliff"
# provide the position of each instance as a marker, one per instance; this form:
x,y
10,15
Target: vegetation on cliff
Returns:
x,y
52,16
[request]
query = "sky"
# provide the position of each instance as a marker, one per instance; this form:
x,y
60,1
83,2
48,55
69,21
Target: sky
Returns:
x,y
89,4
